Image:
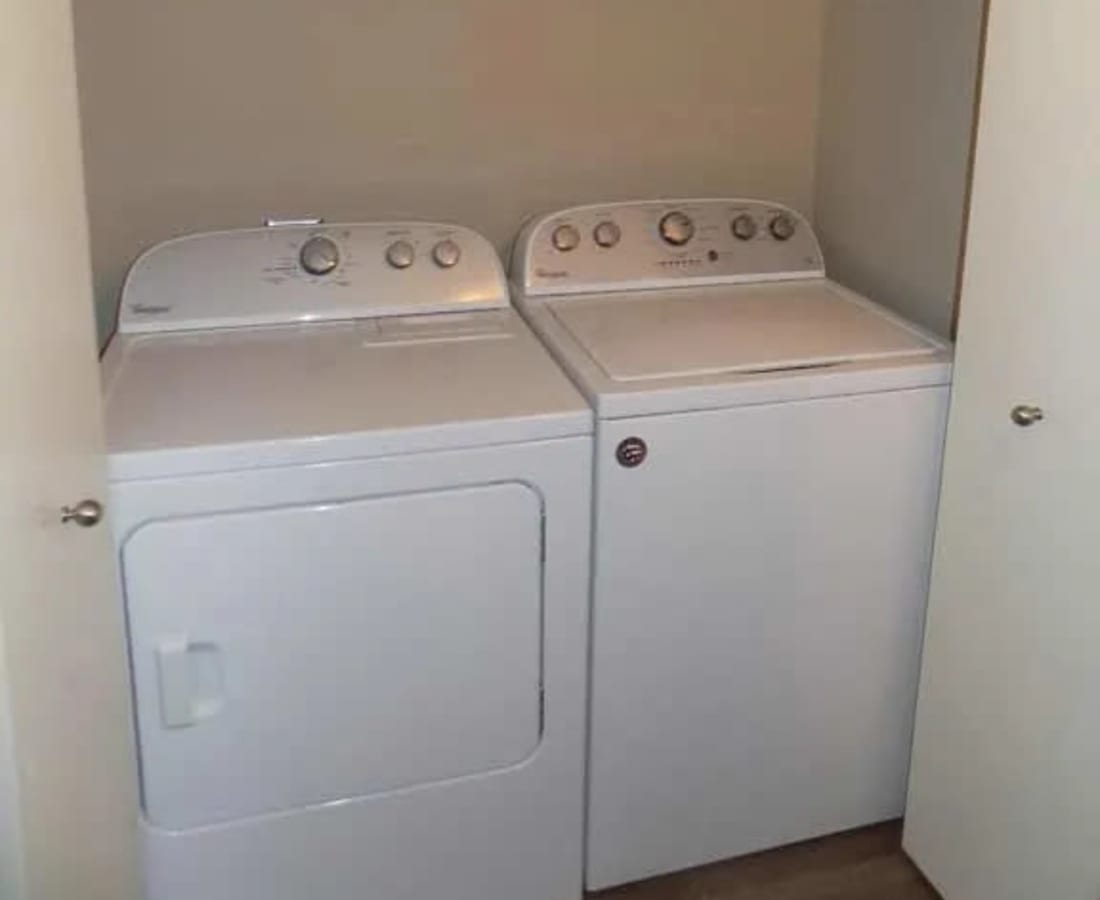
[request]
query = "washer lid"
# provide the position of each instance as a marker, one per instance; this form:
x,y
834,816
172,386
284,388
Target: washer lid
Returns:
x,y
641,336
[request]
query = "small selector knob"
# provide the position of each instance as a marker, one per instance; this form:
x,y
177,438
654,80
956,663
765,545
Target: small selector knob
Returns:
x,y
401,254
607,234
782,227
319,255
677,229
566,238
745,227
446,254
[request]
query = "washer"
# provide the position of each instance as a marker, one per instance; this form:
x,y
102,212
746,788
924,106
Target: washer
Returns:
x,y
351,497
767,466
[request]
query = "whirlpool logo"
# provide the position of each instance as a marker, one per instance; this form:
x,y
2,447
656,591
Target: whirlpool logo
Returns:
x,y
149,309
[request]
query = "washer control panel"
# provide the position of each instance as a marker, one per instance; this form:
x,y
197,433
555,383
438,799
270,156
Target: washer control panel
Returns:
x,y
305,273
664,243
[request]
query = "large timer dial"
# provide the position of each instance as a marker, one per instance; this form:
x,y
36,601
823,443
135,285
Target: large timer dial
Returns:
x,y
319,255
677,229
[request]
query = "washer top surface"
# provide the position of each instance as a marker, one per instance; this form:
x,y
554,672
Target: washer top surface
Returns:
x,y
683,305
738,330
323,373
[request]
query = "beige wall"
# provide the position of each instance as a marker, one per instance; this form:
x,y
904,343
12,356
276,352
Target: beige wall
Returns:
x,y
894,151
206,114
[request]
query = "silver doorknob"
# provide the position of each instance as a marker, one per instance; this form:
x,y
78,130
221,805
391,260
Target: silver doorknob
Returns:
x,y
85,514
1025,416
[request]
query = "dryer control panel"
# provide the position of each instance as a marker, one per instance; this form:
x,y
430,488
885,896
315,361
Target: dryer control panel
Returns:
x,y
664,243
311,272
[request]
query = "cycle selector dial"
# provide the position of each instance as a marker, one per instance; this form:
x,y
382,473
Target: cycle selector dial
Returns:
x,y
319,256
566,238
607,234
745,227
782,227
677,229
401,254
446,254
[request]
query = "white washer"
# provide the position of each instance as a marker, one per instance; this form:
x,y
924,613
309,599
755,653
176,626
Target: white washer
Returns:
x,y
767,466
351,497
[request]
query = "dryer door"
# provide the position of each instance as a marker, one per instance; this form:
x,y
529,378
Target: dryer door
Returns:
x,y
301,655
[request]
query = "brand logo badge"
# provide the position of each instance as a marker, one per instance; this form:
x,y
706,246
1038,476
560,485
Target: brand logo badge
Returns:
x,y
631,453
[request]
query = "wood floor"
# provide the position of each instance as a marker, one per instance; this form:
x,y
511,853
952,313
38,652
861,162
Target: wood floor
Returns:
x,y
859,865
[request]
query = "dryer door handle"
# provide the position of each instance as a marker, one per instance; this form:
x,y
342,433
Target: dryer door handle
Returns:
x,y
190,676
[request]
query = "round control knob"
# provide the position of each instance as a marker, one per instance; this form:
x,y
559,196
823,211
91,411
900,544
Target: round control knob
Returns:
x,y
446,254
566,238
319,255
607,234
782,227
400,254
677,229
744,227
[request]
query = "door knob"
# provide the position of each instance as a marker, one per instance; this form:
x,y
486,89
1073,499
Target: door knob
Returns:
x,y
1025,416
85,514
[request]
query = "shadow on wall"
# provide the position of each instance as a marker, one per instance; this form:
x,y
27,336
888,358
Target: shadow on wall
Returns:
x,y
897,117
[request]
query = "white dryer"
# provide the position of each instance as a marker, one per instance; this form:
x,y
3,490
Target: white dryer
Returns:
x,y
350,492
767,467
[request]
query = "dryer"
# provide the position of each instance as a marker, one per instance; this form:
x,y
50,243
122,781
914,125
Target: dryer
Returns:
x,y
350,495
766,476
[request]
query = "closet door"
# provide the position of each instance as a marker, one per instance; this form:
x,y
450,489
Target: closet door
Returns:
x,y
1004,797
